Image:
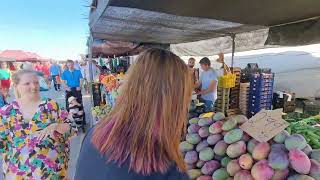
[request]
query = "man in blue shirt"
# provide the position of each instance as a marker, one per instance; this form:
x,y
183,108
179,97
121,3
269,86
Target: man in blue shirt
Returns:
x,y
55,72
208,83
72,81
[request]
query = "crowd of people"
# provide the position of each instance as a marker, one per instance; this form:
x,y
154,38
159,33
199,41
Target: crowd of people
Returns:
x,y
140,137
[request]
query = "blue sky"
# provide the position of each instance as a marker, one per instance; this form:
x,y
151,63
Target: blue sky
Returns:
x,y
52,28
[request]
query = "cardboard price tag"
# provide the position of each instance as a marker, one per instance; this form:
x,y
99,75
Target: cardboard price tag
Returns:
x,y
265,125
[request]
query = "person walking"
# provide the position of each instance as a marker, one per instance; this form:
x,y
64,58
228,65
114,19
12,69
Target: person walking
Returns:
x,y
55,72
140,137
208,83
5,79
35,133
72,81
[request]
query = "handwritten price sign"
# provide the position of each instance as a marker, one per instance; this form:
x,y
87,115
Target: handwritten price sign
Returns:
x,y
265,125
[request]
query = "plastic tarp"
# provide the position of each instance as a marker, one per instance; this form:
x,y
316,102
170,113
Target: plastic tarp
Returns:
x,y
181,21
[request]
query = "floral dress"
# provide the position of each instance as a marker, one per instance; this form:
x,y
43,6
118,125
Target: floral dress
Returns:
x,y
26,157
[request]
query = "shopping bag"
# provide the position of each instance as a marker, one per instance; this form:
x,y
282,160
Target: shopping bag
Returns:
x,y
43,84
228,80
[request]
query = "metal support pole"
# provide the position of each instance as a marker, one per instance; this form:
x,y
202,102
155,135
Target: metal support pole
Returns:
x,y
90,78
233,36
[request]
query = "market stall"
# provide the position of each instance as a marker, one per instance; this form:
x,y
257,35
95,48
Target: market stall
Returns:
x,y
227,144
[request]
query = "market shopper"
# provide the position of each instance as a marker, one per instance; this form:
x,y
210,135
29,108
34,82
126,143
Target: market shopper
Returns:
x,y
208,83
194,71
72,81
140,137
5,79
55,72
34,133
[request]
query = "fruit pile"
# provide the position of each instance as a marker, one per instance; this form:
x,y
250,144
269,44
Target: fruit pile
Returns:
x,y
100,111
216,148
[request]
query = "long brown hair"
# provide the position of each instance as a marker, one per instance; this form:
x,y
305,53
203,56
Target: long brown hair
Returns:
x,y
149,118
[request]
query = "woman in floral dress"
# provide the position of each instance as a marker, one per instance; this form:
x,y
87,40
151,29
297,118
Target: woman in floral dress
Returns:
x,y
34,133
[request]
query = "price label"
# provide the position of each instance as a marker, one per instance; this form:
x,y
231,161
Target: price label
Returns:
x,y
265,125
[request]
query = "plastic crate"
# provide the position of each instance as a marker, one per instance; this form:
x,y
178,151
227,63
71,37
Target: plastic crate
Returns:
x,y
311,107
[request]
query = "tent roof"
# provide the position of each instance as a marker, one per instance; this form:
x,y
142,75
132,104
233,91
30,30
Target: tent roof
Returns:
x,y
20,55
181,21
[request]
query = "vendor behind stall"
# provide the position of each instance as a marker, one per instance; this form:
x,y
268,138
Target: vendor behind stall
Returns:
x,y
208,82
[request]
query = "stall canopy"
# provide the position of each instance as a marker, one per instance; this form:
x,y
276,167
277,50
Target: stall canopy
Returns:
x,y
182,21
19,55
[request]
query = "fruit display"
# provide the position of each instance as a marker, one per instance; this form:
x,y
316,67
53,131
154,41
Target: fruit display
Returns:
x,y
217,149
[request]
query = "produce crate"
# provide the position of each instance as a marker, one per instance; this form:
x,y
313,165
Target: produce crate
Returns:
x,y
233,112
244,97
261,92
222,102
311,107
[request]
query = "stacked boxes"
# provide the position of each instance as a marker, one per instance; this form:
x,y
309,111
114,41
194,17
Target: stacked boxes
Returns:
x,y
222,103
244,97
234,92
261,91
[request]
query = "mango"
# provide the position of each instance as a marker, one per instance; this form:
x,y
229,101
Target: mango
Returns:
x,y
206,154
193,138
261,151
278,159
218,116
209,167
307,150
204,132
315,169
245,161
262,171
280,174
194,173
295,141
200,164
220,174
236,149
251,145
240,119
204,178
315,154
193,128
233,167
243,175
185,146
281,137
300,177
220,148
233,136
202,145
191,157
224,161
229,124
213,139
278,147
245,137
194,120
299,161
205,122
215,128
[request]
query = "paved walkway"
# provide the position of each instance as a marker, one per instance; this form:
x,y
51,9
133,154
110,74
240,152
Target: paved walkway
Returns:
x,y
76,142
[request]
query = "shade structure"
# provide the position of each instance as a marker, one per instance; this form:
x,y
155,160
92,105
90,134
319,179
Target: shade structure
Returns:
x,y
4,59
119,48
182,21
19,55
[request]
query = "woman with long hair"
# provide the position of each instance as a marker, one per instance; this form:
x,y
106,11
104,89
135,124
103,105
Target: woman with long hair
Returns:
x,y
34,133
140,138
